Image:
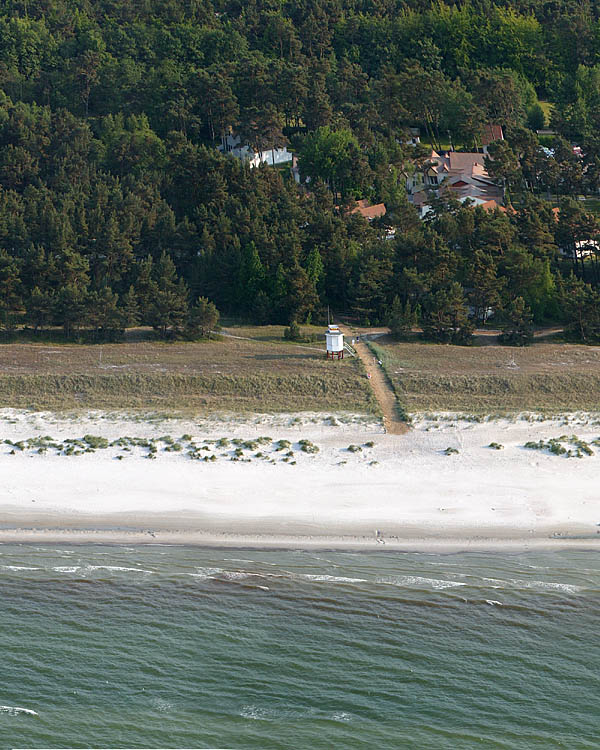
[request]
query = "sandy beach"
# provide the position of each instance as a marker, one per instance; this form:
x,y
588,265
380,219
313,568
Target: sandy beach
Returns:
x,y
405,487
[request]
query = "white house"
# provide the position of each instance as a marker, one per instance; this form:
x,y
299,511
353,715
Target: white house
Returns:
x,y
232,145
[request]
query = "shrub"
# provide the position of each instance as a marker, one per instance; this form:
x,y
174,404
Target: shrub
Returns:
x,y
293,333
354,448
95,442
540,445
282,445
449,451
496,446
308,447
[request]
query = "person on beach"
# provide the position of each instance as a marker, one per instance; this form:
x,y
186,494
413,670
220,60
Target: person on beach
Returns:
x,y
368,376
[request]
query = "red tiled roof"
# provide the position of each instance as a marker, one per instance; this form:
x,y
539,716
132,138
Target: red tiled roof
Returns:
x,y
369,212
492,206
491,133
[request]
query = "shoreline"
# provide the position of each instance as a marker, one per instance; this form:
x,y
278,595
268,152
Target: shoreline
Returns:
x,y
447,545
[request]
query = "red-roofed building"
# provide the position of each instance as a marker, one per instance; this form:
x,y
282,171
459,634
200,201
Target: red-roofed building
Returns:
x,y
493,206
462,174
490,134
367,211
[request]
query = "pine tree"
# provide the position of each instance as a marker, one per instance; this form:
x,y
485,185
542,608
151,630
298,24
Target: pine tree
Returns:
x,y
10,290
39,308
203,319
485,293
70,308
518,330
130,308
168,308
446,318
402,318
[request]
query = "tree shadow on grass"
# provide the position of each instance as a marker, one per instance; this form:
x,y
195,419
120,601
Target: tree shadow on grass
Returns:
x,y
285,356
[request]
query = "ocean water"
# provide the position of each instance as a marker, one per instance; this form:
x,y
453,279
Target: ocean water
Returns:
x,y
170,647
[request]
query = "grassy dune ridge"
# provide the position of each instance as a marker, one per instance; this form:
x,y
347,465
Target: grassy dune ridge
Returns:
x,y
493,379
262,392
231,375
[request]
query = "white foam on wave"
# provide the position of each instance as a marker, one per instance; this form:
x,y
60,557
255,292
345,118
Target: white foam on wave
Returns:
x,y
118,568
567,588
239,575
493,602
205,572
162,705
254,712
341,716
336,579
16,710
429,583
269,714
83,569
17,567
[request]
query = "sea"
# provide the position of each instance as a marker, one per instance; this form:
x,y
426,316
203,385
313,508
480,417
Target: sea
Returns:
x,y
181,647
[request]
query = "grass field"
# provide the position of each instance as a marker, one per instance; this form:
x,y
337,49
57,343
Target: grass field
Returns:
x,y
232,375
546,377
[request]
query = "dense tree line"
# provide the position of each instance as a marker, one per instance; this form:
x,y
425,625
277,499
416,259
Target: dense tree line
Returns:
x,y
116,208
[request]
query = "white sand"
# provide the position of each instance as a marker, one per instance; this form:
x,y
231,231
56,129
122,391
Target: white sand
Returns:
x,y
418,497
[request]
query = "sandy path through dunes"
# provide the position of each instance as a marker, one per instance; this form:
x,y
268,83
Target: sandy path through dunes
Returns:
x,y
381,387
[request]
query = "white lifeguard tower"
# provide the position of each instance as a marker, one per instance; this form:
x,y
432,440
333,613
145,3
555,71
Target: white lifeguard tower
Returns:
x,y
335,342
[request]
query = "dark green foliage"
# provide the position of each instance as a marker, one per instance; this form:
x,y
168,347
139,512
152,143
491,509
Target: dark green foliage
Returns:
x,y
203,319
402,318
581,304
446,318
536,120
518,330
307,446
555,446
293,332
116,209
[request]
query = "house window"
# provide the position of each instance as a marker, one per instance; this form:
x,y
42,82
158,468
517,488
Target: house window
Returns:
x,y
433,180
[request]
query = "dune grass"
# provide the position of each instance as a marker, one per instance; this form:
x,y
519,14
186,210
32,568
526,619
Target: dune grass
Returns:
x,y
546,377
191,378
